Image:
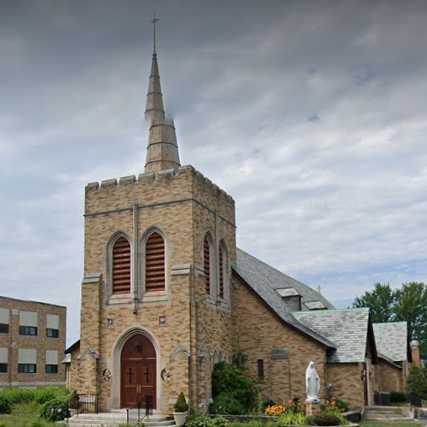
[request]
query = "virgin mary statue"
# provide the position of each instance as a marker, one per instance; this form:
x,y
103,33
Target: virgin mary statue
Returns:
x,y
312,384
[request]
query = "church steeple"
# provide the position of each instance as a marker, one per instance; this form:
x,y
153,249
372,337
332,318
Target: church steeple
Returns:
x,y
162,149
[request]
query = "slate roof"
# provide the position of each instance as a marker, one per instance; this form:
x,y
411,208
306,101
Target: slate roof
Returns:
x,y
261,278
264,276
392,340
348,329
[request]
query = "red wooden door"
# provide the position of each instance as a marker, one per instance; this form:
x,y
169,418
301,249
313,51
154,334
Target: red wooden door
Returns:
x,y
138,372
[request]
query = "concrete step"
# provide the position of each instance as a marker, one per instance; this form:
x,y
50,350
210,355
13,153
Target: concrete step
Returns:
x,y
114,419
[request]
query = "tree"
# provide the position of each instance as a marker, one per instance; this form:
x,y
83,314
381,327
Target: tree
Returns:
x,y
406,304
416,382
380,301
411,306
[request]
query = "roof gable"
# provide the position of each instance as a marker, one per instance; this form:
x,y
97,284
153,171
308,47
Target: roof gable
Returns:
x,y
392,340
348,329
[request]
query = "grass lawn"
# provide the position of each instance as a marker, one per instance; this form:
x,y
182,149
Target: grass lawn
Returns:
x,y
25,415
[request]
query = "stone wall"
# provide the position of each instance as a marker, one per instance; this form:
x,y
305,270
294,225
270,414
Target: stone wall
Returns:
x,y
389,377
346,379
258,332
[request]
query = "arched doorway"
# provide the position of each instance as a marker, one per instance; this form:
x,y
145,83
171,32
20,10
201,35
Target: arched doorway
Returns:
x,y
138,372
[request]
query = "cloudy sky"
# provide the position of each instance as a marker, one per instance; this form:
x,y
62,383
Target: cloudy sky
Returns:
x,y
312,114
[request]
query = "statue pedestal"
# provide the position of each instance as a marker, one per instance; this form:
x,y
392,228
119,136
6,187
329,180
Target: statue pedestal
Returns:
x,y
308,409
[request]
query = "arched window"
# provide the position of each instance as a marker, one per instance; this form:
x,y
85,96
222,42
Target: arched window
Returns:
x,y
207,263
155,263
223,273
121,266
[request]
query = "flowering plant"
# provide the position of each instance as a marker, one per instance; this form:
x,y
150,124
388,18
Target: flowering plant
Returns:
x,y
275,410
292,407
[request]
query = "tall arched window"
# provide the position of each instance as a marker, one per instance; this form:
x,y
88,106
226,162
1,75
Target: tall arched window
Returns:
x,y
207,263
155,263
121,266
223,273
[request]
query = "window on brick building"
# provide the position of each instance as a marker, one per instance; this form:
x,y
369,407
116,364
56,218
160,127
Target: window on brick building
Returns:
x,y
155,263
121,266
223,271
52,326
4,359
51,366
27,361
207,262
4,320
260,369
28,323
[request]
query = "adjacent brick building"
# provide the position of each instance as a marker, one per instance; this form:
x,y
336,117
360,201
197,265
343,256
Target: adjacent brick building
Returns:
x,y
166,294
32,343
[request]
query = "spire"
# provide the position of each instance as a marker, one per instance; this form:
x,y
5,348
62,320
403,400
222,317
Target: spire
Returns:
x,y
162,150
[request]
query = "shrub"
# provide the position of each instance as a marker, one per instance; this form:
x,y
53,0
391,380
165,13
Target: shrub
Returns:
x,y
227,404
55,409
323,420
342,405
4,405
181,403
233,382
18,395
203,421
398,397
416,382
291,419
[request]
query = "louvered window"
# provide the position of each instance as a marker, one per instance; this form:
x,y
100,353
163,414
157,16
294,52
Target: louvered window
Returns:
x,y
207,265
221,272
121,266
155,263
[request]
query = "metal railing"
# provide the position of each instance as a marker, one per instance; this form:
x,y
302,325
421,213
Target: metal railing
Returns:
x,y
144,407
85,403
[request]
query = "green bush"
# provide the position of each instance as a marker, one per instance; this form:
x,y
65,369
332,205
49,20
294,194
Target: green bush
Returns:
x,y
4,405
342,405
291,419
227,404
181,404
203,421
55,409
232,383
398,397
323,420
18,395
416,382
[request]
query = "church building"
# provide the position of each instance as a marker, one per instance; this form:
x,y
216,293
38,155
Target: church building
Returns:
x,y
166,295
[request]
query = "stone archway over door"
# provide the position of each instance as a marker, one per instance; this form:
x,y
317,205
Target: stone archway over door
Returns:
x,y
138,372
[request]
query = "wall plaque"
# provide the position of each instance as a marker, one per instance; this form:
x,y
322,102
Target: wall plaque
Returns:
x,y
279,354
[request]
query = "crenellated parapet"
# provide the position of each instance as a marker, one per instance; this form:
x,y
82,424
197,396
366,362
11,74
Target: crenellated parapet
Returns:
x,y
150,189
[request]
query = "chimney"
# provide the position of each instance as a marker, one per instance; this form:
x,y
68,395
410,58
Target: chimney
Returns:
x,y
415,352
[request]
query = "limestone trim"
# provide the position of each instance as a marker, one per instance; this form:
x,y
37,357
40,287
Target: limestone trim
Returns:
x,y
154,205
153,295
111,298
115,364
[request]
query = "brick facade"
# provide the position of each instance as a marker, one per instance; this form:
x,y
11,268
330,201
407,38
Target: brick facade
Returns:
x,y
13,341
188,328
258,332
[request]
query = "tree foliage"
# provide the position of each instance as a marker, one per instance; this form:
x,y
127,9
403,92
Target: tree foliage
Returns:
x,y
416,382
409,303
380,301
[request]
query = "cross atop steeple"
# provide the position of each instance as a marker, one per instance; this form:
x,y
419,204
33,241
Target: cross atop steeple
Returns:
x,y
155,20
162,150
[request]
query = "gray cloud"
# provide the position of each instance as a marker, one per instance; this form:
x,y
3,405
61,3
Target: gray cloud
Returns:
x,y
311,114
